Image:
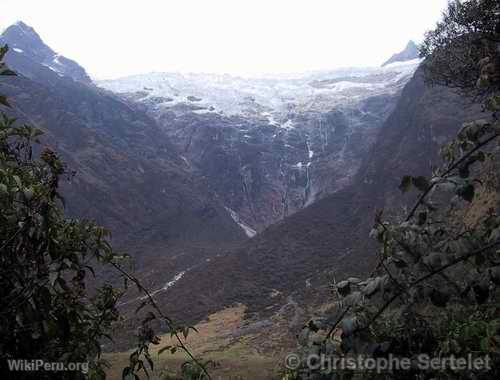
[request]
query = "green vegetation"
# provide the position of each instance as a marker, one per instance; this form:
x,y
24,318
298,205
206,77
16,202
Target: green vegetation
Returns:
x,y
47,312
435,288
51,307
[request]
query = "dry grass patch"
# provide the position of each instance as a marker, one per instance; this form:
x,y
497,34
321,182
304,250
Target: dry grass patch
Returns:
x,y
236,356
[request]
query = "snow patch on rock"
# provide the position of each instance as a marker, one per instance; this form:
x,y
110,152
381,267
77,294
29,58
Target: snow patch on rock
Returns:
x,y
249,231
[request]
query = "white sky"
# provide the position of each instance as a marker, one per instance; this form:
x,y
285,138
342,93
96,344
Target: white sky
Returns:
x,y
112,38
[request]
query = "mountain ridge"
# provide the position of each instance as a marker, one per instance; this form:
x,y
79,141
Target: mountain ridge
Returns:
x,y
329,239
23,39
168,179
130,178
282,143
409,53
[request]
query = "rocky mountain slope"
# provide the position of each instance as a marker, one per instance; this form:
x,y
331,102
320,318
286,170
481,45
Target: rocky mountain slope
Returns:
x,y
181,179
296,258
408,53
129,177
274,145
23,39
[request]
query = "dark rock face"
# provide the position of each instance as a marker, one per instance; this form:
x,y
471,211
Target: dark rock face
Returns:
x,y
22,39
186,178
265,172
285,170
129,176
410,52
330,237
273,153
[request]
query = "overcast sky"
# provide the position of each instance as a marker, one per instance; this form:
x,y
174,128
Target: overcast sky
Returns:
x,y
112,38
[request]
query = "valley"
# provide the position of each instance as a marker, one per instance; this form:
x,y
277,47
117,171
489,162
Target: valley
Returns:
x,y
225,190
271,146
247,206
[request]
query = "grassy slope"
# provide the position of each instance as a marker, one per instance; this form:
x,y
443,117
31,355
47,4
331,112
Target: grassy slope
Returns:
x,y
238,357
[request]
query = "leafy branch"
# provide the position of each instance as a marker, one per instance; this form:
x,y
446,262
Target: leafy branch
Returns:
x,y
426,277
451,168
173,329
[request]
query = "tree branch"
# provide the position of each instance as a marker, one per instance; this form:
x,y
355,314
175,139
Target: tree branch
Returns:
x,y
427,276
448,171
167,319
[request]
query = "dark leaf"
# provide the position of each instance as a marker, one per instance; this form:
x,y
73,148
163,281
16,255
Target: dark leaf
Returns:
x,y
464,171
406,183
495,275
439,298
482,292
422,218
126,372
312,326
344,288
466,192
420,183
3,101
8,72
163,349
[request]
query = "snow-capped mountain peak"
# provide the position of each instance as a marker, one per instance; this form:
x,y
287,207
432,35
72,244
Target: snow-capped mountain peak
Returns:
x,y
409,53
23,39
263,97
